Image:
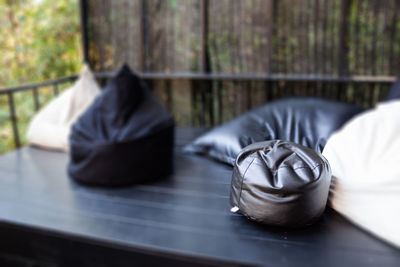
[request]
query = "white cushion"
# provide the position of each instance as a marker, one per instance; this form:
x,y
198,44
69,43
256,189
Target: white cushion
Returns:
x,y
365,159
51,126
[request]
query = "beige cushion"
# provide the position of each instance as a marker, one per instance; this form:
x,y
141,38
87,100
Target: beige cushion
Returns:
x,y
51,126
365,159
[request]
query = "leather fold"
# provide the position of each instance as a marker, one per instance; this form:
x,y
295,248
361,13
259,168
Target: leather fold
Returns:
x,y
280,183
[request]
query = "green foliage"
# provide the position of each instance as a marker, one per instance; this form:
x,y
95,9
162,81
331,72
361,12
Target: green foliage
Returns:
x,y
39,40
172,3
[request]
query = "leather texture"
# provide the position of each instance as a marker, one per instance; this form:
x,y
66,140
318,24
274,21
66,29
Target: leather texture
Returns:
x,y
50,128
364,156
394,91
124,137
280,183
308,121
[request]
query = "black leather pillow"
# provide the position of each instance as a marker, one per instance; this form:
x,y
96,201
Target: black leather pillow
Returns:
x,y
124,137
394,91
308,121
280,183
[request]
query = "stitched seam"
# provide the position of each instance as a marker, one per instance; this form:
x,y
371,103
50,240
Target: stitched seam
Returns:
x,y
241,186
303,167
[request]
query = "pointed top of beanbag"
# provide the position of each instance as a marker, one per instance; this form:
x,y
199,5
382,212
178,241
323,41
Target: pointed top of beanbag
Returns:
x,y
50,128
123,94
124,137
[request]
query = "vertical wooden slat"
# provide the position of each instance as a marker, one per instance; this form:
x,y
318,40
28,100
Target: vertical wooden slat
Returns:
x,y
268,90
367,38
392,36
206,91
36,98
382,54
343,38
248,94
203,109
106,35
55,89
273,34
357,57
198,109
205,57
332,38
371,100
144,36
295,47
239,41
168,90
84,29
214,54
324,47
374,24
284,30
316,36
381,93
230,40
307,37
365,34
193,99
14,119
219,101
302,36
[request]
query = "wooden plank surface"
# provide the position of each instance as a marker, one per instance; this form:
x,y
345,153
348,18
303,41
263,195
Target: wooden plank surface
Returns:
x,y
183,218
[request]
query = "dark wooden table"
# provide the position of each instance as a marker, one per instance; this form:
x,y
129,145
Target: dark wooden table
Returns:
x,y
48,220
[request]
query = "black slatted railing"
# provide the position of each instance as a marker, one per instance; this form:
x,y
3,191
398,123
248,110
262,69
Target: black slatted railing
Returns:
x,y
208,104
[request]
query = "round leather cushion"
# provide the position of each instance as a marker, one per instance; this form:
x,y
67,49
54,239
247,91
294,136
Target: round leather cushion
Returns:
x,y
280,183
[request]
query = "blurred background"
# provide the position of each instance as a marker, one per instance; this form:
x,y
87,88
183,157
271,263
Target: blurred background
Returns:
x,y
39,40
346,50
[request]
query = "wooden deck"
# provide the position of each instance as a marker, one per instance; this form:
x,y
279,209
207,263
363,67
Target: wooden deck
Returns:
x,y
48,220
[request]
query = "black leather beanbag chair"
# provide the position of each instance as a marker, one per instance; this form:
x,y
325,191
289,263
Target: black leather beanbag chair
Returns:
x,y
308,121
124,137
280,183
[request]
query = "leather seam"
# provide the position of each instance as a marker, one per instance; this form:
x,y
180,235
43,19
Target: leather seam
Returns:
x,y
302,167
244,176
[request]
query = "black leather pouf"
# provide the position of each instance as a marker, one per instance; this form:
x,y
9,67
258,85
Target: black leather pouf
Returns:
x,y
280,183
124,137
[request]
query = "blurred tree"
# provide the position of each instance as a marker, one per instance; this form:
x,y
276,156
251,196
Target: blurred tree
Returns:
x,y
39,40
